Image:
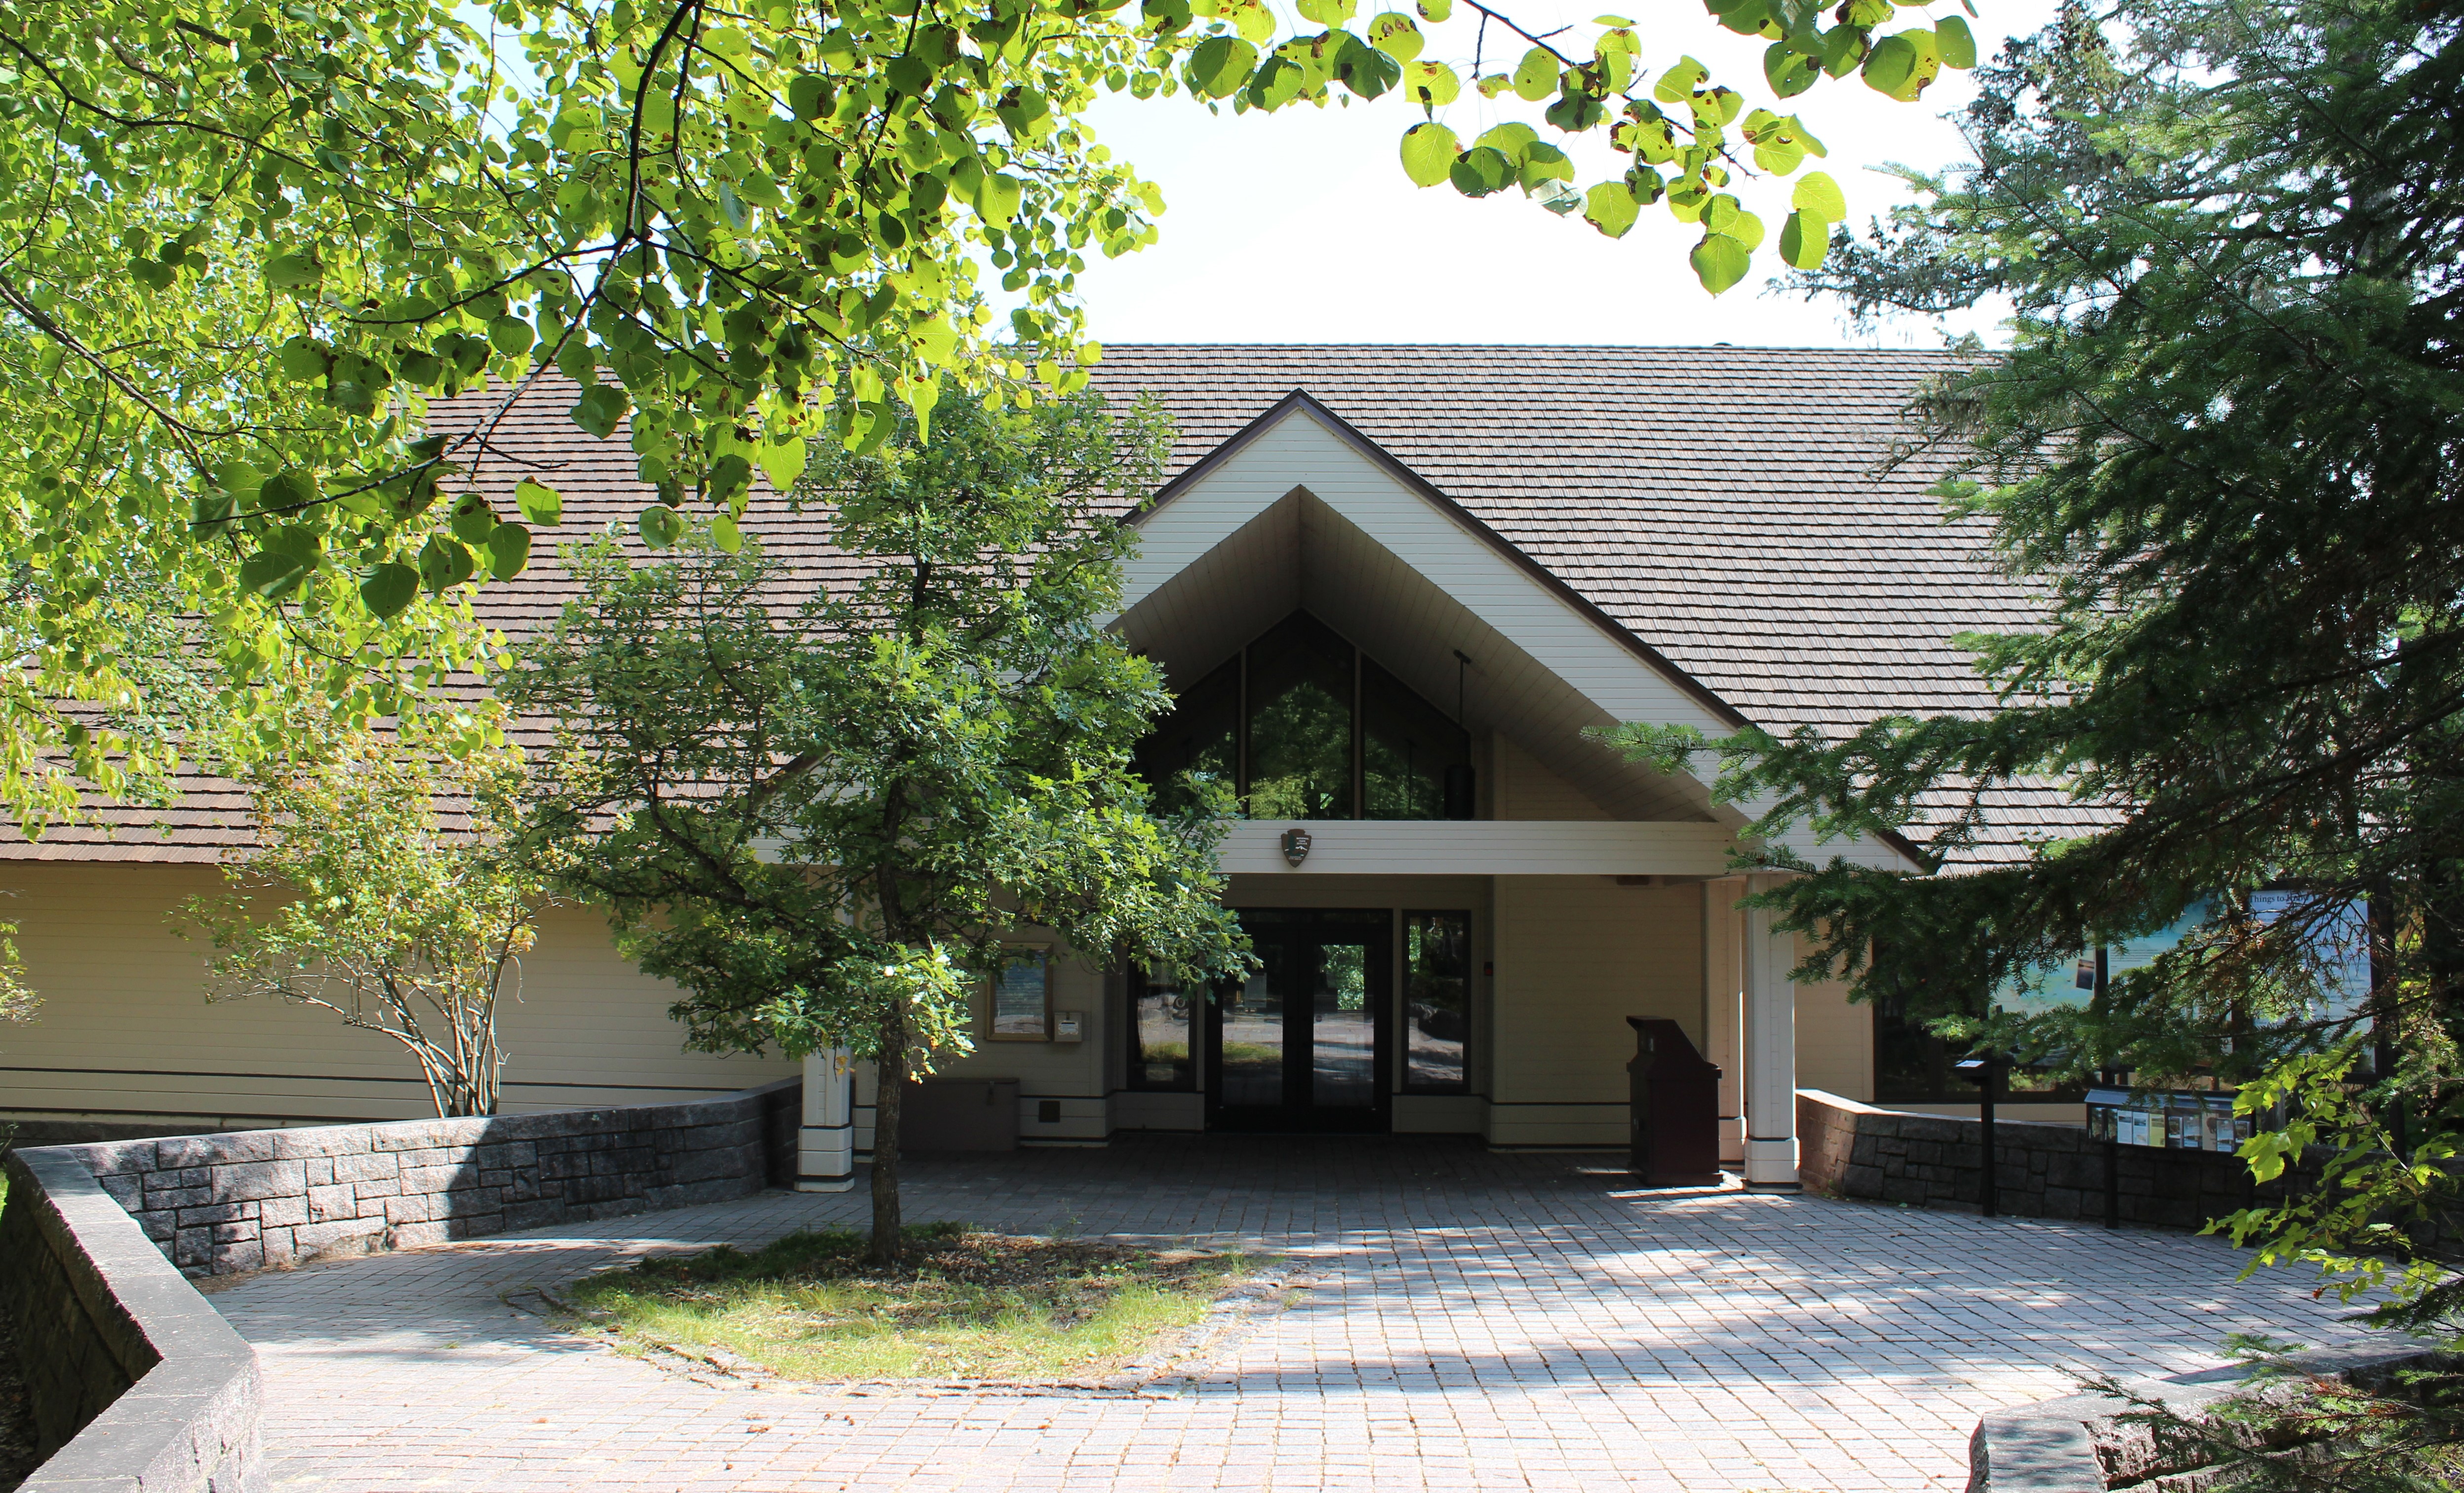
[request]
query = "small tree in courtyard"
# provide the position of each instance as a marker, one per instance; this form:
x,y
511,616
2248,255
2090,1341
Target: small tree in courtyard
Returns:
x,y
820,812
384,893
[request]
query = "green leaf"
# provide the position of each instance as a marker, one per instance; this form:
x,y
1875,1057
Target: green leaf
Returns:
x,y
1220,65
1535,76
602,407
1804,240
1818,194
511,335
443,562
1481,171
1276,83
1677,85
304,359
1719,261
1429,151
997,197
1611,208
1250,18
1514,138
659,526
1396,34
1902,66
509,550
1327,12
390,588
273,574
1545,162
1725,215
472,519
539,503
1790,72
783,462
1430,84
724,533
1368,72
1779,159
295,270
811,96
1955,42
1435,10
292,489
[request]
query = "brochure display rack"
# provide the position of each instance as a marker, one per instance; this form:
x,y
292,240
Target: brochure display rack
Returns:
x,y
2172,1120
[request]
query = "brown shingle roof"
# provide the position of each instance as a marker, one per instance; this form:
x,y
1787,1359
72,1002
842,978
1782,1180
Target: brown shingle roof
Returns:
x,y
1733,508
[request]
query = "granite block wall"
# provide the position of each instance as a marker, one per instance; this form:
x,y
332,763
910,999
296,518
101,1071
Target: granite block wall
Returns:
x,y
138,1383
135,1380
2045,1171
253,1199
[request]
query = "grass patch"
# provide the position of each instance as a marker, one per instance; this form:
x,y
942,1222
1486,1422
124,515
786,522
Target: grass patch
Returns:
x,y
962,1306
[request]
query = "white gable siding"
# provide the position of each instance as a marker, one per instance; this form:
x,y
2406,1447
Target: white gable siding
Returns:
x,y
1300,453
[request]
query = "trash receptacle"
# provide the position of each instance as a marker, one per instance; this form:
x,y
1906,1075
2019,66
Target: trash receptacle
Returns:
x,y
1676,1093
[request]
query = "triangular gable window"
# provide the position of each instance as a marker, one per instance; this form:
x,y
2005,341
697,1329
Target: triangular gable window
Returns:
x,y
1306,726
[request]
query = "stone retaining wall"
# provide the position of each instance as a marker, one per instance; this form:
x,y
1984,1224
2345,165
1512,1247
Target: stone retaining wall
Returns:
x,y
136,1382
1852,1149
250,1200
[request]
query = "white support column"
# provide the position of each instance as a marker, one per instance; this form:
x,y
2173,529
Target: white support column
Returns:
x,y
1723,985
1771,1049
826,1146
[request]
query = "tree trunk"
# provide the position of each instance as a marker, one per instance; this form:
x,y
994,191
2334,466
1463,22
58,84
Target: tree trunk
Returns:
x,y
890,1070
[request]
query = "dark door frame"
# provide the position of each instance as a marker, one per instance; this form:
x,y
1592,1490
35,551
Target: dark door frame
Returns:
x,y
1304,925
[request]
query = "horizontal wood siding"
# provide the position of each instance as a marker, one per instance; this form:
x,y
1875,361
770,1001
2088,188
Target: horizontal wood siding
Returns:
x,y
1835,1038
1575,957
125,1030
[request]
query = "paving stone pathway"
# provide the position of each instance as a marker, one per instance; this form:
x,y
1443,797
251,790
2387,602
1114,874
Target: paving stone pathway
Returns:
x,y
1480,1321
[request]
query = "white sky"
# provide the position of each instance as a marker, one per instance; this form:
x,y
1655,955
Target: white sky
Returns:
x,y
1300,227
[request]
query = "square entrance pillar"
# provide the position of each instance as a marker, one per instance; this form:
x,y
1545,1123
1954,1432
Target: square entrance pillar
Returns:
x,y
826,1145
1771,1049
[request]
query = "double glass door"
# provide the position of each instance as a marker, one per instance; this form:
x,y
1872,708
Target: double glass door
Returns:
x,y
1301,1046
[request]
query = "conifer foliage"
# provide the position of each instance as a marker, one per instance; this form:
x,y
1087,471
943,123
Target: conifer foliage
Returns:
x,y
2226,444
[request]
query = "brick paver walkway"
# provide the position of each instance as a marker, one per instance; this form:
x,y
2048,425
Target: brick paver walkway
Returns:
x,y
1480,1321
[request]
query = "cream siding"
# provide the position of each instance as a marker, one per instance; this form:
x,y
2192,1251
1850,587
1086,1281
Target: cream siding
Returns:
x,y
124,1031
1834,1041
1575,957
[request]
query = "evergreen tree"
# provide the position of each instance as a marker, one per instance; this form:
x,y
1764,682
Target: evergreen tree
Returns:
x,y
2225,442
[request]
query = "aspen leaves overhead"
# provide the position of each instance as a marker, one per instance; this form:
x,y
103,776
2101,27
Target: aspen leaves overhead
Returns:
x,y
1690,138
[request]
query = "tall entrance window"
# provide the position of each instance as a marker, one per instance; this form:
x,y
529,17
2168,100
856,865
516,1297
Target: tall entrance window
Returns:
x,y
1303,725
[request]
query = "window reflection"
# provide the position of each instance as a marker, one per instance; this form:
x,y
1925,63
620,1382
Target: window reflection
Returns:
x,y
1198,736
1436,1001
1161,1017
1406,747
1303,726
1300,722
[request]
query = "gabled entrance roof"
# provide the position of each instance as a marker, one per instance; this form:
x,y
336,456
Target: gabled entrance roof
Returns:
x,y
1732,523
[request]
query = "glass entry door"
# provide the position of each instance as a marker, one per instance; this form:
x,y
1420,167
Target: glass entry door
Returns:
x,y
1301,1045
